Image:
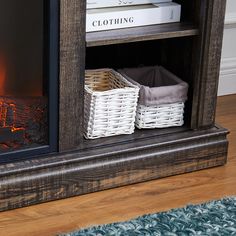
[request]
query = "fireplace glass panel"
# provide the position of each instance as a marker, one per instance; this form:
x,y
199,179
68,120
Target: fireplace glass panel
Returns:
x,y
24,95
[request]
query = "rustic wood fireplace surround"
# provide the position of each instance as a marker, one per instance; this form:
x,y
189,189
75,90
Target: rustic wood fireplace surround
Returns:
x,y
191,49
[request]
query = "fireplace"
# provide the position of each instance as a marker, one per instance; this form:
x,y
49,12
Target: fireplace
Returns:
x,y
43,153
28,78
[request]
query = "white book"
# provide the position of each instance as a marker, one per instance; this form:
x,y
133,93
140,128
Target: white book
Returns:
x,y
116,3
125,17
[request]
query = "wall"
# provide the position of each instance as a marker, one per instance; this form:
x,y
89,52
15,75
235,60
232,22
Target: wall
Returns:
x,y
227,83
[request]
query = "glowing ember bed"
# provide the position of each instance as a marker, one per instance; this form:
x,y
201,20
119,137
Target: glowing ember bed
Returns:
x,y
25,78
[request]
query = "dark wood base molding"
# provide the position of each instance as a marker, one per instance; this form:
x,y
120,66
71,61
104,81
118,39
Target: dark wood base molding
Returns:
x,y
70,174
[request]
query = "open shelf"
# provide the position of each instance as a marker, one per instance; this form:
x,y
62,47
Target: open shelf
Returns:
x,y
176,59
139,134
144,33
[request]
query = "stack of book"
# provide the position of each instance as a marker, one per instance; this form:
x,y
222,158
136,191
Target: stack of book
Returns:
x,y
116,14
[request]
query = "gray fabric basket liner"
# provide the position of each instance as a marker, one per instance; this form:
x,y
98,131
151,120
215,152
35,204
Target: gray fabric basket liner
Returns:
x,y
157,85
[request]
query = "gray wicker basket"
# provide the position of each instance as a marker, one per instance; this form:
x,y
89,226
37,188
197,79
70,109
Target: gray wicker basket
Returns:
x,y
161,97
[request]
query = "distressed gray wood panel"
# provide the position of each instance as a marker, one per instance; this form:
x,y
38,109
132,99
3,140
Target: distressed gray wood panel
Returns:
x,y
207,59
72,60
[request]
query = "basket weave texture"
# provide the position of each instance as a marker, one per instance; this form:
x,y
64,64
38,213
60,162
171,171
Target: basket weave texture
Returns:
x,y
110,104
161,99
160,116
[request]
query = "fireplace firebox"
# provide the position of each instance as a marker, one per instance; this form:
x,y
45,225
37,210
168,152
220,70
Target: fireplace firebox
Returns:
x,y
44,51
28,78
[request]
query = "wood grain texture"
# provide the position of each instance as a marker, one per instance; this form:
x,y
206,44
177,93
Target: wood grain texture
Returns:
x,y
66,175
84,169
207,56
138,34
72,60
137,135
131,201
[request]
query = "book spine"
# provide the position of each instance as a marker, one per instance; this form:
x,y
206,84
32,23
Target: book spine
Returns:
x,y
115,3
133,17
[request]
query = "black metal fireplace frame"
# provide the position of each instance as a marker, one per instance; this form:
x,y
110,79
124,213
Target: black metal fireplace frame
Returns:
x,y
52,74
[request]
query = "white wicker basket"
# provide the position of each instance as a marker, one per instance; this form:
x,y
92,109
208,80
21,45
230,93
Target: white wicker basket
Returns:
x,y
160,116
161,100
110,104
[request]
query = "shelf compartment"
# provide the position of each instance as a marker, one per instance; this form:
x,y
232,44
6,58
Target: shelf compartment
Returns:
x,y
138,135
144,33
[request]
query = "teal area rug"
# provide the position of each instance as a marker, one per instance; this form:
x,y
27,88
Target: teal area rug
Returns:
x,y
214,218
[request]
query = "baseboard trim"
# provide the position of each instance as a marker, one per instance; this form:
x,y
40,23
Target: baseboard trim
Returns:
x,y
230,20
227,82
228,66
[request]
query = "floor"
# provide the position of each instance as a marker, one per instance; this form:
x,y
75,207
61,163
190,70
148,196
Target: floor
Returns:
x,y
131,201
